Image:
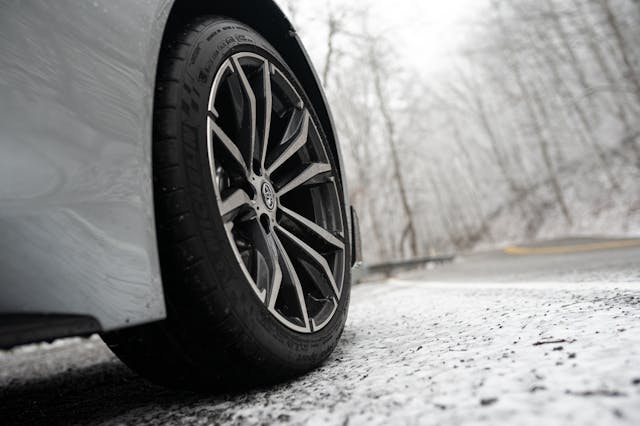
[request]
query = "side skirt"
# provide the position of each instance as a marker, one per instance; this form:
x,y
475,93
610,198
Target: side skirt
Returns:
x,y
20,329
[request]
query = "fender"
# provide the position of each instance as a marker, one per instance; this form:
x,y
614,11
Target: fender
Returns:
x,y
268,19
77,226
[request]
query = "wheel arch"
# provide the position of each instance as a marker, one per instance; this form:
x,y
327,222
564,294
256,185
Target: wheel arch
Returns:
x,y
268,19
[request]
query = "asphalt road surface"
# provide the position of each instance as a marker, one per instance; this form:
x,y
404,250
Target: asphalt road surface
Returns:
x,y
542,334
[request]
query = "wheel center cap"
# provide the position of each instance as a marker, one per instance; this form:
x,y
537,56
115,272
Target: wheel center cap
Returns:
x,y
268,195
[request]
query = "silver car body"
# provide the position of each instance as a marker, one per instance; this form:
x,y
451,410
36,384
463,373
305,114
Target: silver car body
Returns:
x,y
77,232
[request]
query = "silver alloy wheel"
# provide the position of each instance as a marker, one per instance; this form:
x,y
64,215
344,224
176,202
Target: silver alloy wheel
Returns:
x,y
276,190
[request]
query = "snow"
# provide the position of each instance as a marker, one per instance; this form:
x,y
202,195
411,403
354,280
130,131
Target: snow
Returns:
x,y
417,352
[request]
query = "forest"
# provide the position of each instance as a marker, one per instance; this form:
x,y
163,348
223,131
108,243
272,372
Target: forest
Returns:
x,y
528,129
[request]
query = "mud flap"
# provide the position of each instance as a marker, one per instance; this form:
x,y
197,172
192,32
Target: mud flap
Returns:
x,y
356,240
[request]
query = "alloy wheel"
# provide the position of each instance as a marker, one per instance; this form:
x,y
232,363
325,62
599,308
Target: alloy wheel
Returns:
x,y
276,188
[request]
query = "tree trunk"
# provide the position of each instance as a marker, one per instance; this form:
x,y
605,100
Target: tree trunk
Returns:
x,y
333,29
620,103
473,184
566,95
359,138
393,148
530,100
574,61
446,220
630,72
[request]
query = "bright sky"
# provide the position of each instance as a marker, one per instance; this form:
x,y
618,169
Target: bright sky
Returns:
x,y
425,30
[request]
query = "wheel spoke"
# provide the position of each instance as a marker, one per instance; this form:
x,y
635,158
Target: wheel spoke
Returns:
x,y
314,256
251,99
231,148
297,141
290,271
234,201
266,245
268,103
327,236
226,66
263,144
311,171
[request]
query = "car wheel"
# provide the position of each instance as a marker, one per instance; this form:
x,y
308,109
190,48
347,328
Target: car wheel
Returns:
x,y
251,220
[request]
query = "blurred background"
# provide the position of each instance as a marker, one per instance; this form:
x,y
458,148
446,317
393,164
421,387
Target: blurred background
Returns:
x,y
469,124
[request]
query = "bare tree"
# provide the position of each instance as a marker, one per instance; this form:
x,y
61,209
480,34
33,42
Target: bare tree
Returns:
x,y
537,114
383,103
622,45
586,130
534,113
334,23
618,103
357,132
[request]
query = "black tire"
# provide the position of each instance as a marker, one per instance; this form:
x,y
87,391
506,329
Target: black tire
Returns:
x,y
218,335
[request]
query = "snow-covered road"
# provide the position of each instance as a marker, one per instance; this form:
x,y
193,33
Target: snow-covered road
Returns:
x,y
544,338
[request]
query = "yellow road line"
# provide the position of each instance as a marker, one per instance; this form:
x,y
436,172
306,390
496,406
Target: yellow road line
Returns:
x,y
517,250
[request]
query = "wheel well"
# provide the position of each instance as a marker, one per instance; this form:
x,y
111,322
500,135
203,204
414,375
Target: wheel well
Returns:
x,y
266,17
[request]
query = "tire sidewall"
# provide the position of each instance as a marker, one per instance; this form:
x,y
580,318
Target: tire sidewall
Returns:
x,y
218,41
